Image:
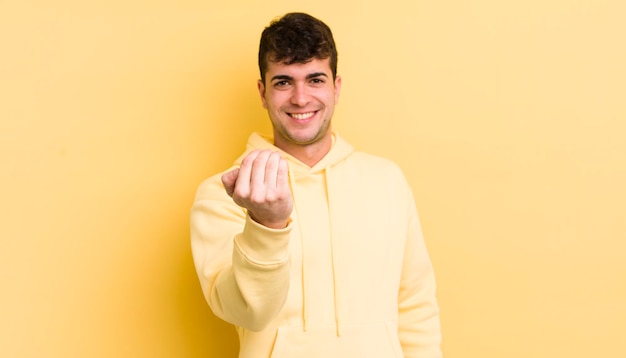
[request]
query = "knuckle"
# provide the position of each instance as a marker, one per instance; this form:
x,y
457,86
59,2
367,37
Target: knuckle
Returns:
x,y
271,197
240,192
246,160
257,198
250,158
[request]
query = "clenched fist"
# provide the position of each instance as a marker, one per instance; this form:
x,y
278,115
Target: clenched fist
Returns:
x,y
261,185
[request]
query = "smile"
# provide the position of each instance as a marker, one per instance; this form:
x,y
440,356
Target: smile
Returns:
x,y
302,116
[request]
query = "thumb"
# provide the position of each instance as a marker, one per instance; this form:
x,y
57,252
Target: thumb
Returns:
x,y
229,179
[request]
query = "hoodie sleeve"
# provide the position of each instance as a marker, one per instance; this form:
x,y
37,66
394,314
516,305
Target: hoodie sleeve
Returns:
x,y
418,322
243,266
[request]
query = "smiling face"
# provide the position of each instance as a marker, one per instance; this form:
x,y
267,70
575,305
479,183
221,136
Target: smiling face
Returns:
x,y
300,99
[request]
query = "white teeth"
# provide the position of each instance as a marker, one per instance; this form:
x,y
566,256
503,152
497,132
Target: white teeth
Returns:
x,y
302,115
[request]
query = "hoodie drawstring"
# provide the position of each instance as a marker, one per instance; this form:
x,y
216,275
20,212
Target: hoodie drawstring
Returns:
x,y
305,312
305,307
332,251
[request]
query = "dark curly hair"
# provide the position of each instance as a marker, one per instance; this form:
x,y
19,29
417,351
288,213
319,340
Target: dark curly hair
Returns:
x,y
296,38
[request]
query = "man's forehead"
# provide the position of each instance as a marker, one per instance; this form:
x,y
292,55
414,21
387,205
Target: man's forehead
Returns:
x,y
314,65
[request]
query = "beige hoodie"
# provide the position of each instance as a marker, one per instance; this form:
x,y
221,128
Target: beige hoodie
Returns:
x,y
349,277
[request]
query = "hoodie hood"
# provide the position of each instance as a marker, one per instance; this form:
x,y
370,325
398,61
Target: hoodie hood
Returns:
x,y
339,151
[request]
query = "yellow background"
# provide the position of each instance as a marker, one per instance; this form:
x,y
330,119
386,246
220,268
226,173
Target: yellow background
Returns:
x,y
508,118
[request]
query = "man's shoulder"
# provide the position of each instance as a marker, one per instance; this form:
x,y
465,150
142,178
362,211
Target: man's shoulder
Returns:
x,y
212,188
375,167
375,161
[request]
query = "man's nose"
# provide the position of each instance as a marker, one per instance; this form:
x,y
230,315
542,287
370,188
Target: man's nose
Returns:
x,y
300,95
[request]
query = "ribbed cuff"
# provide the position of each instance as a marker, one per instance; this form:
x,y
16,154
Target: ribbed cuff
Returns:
x,y
262,245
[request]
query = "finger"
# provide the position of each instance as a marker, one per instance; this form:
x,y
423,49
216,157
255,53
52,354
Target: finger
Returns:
x,y
282,176
271,170
257,176
229,179
242,185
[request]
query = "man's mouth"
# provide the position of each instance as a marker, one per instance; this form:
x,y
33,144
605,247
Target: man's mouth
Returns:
x,y
302,116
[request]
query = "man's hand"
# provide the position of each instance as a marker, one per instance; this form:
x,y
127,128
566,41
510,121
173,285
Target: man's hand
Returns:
x,y
261,185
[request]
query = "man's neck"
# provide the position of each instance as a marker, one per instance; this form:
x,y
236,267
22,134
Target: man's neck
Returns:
x,y
308,154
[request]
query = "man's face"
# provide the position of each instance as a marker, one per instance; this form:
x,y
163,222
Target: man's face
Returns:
x,y
300,99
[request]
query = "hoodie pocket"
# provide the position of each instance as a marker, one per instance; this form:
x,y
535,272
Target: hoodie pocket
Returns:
x,y
377,340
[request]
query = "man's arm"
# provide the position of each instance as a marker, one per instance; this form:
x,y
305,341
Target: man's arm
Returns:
x,y
242,256
418,327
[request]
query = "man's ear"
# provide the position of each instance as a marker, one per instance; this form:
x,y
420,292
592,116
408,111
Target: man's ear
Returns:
x,y
337,88
261,88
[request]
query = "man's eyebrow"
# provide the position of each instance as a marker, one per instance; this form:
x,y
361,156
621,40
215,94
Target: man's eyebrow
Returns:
x,y
316,74
282,77
308,77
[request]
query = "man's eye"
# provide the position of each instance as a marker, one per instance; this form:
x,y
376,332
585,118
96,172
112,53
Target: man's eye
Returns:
x,y
317,80
281,83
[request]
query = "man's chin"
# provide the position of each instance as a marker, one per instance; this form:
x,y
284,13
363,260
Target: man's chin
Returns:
x,y
305,138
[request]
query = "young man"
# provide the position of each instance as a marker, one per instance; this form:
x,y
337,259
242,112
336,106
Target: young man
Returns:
x,y
310,248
